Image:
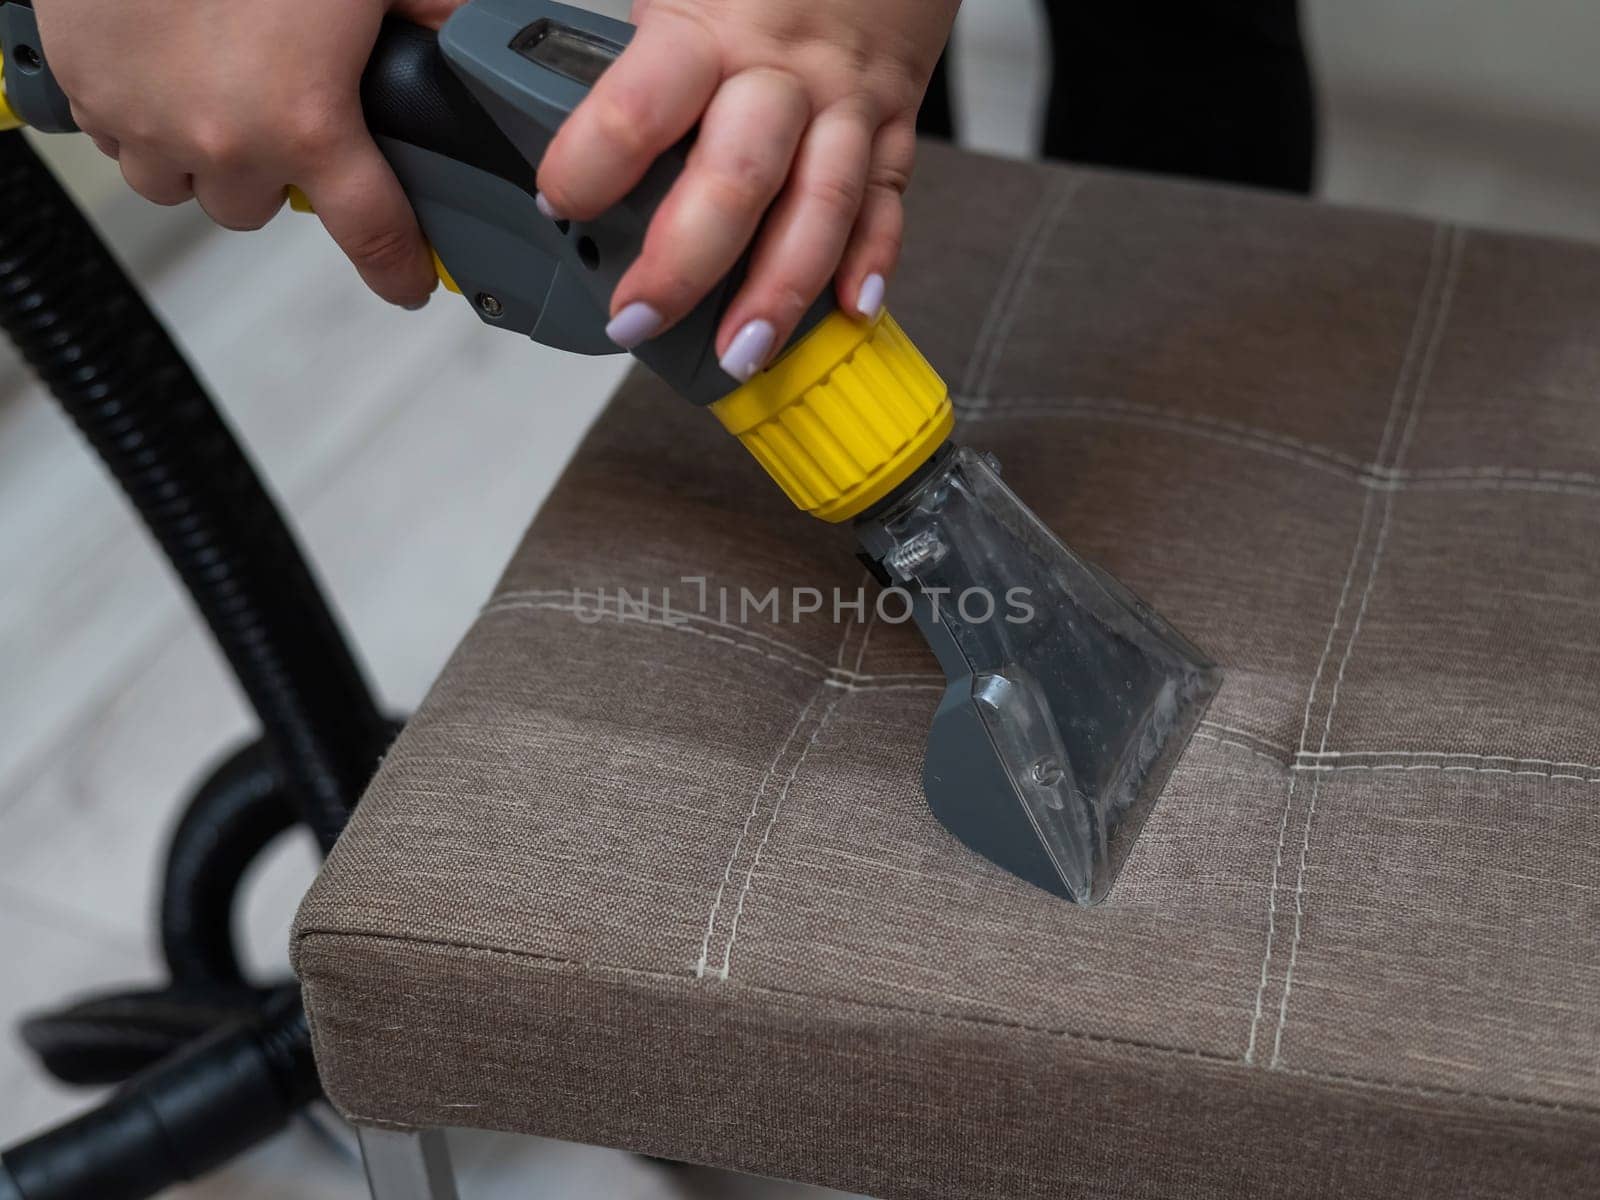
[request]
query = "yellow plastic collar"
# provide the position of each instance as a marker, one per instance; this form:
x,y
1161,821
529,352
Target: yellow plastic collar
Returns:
x,y
843,417
8,116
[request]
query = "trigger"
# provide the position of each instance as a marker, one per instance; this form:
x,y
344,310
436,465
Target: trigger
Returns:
x,y
444,272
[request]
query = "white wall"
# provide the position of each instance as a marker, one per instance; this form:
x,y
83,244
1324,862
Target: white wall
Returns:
x,y
1483,110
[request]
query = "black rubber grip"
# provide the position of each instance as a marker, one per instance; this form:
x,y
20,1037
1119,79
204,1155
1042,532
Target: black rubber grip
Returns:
x,y
410,94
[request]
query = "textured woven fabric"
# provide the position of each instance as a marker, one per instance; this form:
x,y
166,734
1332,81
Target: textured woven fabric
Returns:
x,y
666,880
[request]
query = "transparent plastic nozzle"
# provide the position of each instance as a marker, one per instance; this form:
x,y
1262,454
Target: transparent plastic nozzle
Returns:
x,y
1067,699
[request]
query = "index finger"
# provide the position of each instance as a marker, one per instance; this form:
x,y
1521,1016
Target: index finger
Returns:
x,y
643,103
364,209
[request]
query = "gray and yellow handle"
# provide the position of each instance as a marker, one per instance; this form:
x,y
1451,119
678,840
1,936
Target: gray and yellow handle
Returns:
x,y
843,417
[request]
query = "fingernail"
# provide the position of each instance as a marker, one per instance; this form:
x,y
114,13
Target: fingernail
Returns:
x,y
545,207
870,299
634,324
748,351
417,307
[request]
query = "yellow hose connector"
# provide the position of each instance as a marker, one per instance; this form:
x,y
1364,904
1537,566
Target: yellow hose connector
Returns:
x,y
843,417
8,117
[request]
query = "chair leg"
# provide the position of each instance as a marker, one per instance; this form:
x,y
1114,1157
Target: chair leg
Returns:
x,y
411,1165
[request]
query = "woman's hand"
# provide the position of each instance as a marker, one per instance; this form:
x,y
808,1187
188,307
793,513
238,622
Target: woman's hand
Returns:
x,y
231,101
806,107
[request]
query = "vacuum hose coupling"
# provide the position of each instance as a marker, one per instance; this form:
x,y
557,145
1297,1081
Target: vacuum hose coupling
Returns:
x,y
843,417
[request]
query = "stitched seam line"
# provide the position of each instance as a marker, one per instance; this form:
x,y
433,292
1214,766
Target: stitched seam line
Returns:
x,y
1066,404
1248,735
1560,775
663,613
689,623
1441,319
702,964
985,350
755,806
1510,759
1203,736
968,1019
1396,399
1371,475
1447,768
766,834
1288,803
1040,238
1306,760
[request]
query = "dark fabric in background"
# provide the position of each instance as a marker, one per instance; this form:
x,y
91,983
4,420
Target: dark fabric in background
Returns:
x,y
1205,89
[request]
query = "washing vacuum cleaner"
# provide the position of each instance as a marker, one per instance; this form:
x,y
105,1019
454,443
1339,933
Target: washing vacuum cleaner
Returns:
x,y
1053,738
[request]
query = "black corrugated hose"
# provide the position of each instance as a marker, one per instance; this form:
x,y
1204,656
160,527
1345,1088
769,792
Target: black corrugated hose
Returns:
x,y
221,1064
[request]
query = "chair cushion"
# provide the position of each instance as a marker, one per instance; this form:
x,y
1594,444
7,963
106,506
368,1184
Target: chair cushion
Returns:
x,y
665,880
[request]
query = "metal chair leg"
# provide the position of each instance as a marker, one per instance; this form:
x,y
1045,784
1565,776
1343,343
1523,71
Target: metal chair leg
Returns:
x,y
411,1165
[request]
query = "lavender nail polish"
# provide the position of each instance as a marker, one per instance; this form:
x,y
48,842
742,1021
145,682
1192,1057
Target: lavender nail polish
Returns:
x,y
634,324
748,351
545,207
869,301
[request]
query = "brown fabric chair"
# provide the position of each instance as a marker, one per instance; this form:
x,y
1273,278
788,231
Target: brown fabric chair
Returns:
x,y
669,883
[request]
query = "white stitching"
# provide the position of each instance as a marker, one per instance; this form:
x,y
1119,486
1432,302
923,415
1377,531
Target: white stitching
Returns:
x,y
685,622
1372,475
1447,768
1222,741
1499,472
670,616
855,681
766,834
1413,344
861,651
845,686
755,806
777,805
1288,803
456,949
1441,320
1254,737
1006,314
1321,456
888,680
656,622
1513,759
1177,425
1493,485
1025,247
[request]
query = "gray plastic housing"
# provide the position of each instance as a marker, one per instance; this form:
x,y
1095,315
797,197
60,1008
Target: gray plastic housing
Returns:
x,y
31,89
553,283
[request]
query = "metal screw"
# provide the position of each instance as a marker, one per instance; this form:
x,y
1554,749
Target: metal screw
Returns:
x,y
490,306
921,549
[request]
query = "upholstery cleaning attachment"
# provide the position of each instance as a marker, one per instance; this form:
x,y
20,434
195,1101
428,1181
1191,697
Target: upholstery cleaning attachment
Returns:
x,y
1067,700
1058,728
